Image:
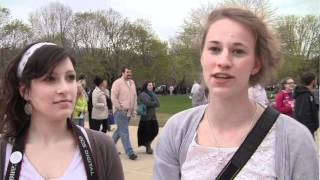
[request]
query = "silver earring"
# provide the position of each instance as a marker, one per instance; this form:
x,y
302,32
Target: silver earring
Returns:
x,y
28,108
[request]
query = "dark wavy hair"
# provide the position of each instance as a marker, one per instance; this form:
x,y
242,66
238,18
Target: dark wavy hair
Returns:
x,y
267,47
13,119
306,78
97,80
145,85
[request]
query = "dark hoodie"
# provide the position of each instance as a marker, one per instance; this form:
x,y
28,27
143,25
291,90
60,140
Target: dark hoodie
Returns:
x,y
305,110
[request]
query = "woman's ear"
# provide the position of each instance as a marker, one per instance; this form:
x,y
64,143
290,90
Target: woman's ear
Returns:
x,y
257,66
23,91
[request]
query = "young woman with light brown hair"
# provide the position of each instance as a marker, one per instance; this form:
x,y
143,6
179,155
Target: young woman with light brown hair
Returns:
x,y
237,51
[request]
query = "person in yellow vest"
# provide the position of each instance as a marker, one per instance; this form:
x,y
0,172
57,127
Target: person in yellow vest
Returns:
x,y
81,106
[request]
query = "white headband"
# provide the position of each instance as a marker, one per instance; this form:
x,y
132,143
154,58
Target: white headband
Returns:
x,y
28,54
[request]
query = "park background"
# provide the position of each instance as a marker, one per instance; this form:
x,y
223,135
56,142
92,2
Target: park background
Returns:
x,y
103,36
103,40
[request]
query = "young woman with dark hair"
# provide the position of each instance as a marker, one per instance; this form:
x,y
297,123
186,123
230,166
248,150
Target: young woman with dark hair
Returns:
x,y
38,140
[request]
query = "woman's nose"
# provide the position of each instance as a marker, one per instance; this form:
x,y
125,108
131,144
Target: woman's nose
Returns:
x,y
224,60
62,86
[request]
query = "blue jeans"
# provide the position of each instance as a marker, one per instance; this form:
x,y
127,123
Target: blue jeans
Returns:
x,y
122,132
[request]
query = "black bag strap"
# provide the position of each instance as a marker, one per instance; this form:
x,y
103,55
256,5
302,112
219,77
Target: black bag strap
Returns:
x,y
15,160
249,145
86,154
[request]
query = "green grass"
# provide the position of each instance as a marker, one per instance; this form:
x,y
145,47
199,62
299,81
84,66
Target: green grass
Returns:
x,y
173,104
169,105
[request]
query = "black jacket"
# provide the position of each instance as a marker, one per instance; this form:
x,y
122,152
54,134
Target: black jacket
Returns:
x,y
305,110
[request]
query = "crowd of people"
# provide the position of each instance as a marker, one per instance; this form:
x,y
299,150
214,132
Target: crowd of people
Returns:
x,y
120,106
43,109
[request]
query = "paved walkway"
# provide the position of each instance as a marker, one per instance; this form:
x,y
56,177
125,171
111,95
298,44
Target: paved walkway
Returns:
x,y
142,167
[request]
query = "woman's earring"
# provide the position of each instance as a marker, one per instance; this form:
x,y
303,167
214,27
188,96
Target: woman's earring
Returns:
x,y
28,108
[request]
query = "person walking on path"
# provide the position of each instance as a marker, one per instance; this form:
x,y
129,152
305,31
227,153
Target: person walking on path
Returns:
x,y
124,101
198,94
148,125
305,109
99,112
38,139
204,142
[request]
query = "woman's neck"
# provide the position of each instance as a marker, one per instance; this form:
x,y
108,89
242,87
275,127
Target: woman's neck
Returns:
x,y
288,90
48,131
232,112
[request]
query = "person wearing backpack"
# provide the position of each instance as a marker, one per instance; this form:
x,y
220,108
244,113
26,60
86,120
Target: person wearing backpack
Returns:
x,y
148,125
305,109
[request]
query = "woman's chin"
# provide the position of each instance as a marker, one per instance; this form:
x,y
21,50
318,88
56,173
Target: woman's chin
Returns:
x,y
221,91
64,115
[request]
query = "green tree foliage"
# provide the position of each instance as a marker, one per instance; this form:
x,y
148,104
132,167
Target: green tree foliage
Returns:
x,y
300,35
4,15
300,43
15,34
52,23
294,66
84,33
149,55
185,47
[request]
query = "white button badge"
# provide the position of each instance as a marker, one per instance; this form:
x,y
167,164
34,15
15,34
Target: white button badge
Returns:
x,y
16,157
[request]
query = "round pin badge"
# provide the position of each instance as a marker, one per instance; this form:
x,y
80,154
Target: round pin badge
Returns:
x,y
16,157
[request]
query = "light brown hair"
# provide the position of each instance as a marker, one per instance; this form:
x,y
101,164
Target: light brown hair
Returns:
x,y
267,48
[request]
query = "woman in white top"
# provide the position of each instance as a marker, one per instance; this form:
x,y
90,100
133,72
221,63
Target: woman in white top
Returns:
x,y
99,113
259,95
237,51
38,140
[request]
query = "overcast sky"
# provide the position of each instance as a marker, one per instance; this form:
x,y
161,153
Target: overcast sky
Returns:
x,y
166,16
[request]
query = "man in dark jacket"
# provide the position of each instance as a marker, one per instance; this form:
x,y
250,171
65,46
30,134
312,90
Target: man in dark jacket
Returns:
x,y
305,110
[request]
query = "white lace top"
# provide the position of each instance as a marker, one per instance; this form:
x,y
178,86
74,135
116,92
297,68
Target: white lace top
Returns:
x,y
205,163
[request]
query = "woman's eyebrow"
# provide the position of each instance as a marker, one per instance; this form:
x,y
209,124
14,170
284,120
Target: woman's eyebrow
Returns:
x,y
240,44
214,42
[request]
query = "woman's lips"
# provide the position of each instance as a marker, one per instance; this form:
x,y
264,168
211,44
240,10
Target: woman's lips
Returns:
x,y
222,76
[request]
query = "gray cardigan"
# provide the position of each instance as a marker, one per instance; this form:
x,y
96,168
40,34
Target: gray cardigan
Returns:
x,y
150,104
296,153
